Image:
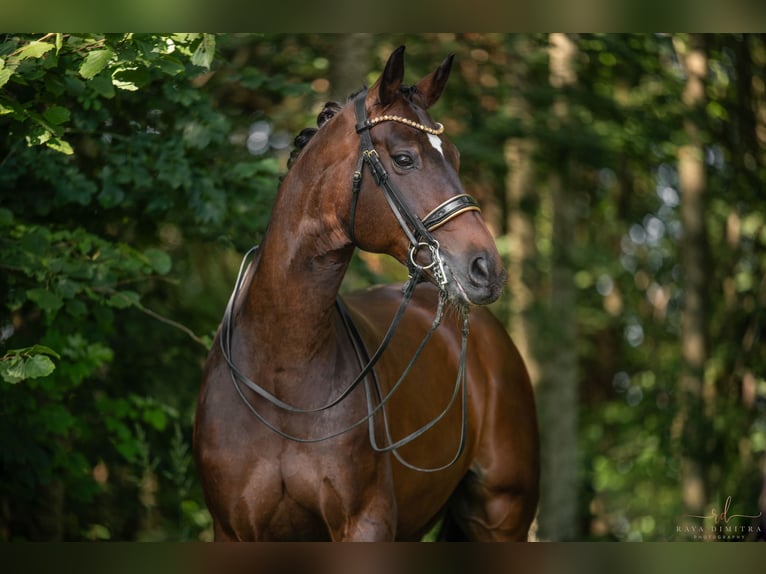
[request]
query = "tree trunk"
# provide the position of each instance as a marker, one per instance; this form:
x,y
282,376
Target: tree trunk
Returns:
x,y
559,380
521,205
350,64
695,266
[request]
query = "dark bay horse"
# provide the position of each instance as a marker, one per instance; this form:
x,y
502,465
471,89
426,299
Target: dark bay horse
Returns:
x,y
378,175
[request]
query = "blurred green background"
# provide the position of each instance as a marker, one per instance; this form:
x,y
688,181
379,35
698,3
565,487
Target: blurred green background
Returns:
x,y
623,177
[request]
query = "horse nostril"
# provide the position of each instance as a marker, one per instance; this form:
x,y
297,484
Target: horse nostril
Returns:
x,y
479,270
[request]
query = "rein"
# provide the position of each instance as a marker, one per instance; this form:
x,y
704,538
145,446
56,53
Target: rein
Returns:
x,y
366,365
418,231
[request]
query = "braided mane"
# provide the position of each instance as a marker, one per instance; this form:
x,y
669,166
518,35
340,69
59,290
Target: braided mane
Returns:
x,y
328,112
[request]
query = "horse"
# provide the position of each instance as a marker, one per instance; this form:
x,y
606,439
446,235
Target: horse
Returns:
x,y
300,433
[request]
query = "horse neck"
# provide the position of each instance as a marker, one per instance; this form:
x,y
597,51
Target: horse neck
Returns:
x,y
289,302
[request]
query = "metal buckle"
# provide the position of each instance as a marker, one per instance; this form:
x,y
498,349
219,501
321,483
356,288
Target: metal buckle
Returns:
x,y
436,265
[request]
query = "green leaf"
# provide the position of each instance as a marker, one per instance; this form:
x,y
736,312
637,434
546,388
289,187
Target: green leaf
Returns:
x,y
35,350
60,145
94,62
97,532
159,260
156,418
5,75
205,52
12,369
103,86
76,308
36,241
46,300
127,86
57,115
124,299
34,49
38,137
131,79
67,287
15,369
39,366
171,66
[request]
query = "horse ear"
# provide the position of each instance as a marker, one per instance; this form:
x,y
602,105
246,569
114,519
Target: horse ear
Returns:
x,y
431,87
393,74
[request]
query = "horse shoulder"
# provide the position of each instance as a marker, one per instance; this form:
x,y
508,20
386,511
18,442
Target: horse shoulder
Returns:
x,y
498,497
510,416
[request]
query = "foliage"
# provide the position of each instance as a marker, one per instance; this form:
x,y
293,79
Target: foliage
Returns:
x,y
116,163
632,293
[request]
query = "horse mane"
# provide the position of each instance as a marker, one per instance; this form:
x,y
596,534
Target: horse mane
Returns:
x,y
328,112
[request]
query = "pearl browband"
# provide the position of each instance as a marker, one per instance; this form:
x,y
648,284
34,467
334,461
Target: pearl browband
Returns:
x,y
438,130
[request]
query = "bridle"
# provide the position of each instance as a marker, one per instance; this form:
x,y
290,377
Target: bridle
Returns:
x,y
418,231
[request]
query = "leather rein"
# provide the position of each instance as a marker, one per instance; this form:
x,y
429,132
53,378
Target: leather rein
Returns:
x,y
418,231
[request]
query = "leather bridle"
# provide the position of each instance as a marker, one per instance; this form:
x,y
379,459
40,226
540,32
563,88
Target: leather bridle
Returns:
x,y
418,232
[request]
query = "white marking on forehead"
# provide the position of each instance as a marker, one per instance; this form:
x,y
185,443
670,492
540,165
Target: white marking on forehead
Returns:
x,y
436,142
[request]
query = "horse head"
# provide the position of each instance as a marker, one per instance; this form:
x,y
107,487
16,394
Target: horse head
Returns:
x,y
422,166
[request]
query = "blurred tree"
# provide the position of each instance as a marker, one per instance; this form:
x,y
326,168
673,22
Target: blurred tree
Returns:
x,y
522,203
692,413
557,391
350,64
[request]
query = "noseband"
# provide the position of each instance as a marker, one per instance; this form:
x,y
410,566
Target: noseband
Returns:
x,y
417,230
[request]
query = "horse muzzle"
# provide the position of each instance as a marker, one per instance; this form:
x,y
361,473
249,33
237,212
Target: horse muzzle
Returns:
x,y
478,279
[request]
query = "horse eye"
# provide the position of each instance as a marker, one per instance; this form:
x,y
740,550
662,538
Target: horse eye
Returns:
x,y
403,160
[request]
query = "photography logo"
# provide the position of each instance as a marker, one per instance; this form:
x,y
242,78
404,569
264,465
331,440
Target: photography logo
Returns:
x,y
723,525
